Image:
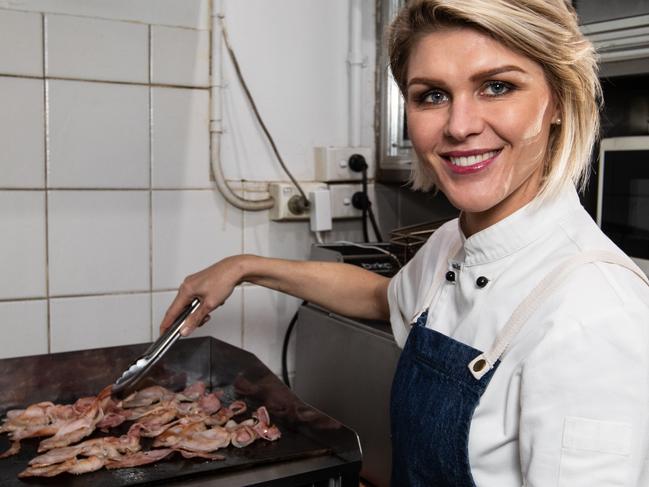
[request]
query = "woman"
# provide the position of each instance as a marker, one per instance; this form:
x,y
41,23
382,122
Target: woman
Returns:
x,y
526,330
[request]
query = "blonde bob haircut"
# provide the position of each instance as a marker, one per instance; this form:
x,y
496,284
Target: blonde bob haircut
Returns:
x,y
545,31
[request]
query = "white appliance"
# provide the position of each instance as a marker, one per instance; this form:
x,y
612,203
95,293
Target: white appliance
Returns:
x,y
623,195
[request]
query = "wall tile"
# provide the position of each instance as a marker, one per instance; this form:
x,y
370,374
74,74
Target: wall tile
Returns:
x,y
24,328
191,230
180,138
225,323
180,56
99,321
22,133
22,248
99,135
182,13
96,49
99,241
267,315
288,240
21,43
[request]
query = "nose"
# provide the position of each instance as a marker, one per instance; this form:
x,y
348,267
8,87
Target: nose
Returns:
x,y
464,119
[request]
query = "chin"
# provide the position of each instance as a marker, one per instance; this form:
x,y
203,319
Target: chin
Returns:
x,y
471,205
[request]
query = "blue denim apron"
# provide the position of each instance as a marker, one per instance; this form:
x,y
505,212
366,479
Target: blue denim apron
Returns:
x,y
438,384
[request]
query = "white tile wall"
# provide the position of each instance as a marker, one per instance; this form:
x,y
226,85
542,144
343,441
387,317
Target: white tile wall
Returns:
x,y
21,43
288,240
22,133
116,167
225,322
98,241
99,321
22,246
180,145
266,317
95,49
191,230
180,56
182,13
98,135
23,325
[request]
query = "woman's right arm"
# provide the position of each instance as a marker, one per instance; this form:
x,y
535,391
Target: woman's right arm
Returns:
x,y
342,288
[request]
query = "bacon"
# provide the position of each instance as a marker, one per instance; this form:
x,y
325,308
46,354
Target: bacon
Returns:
x,y
147,396
13,450
242,436
198,454
140,458
74,430
193,422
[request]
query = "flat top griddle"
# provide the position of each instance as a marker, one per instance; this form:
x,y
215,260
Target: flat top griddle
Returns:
x,y
64,377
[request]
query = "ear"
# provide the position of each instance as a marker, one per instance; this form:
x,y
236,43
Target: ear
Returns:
x,y
556,111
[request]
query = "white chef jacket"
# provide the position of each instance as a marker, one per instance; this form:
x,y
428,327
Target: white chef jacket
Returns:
x,y
569,402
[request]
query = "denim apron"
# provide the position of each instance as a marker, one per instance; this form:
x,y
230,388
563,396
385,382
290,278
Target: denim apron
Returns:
x,y
438,384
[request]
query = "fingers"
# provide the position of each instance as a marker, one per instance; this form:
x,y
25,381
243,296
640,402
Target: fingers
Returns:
x,y
189,327
177,305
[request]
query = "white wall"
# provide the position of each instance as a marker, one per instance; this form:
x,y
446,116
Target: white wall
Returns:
x,y
106,201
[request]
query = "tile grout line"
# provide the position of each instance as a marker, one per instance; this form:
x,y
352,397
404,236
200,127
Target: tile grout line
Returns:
x,y
87,295
116,82
46,161
151,333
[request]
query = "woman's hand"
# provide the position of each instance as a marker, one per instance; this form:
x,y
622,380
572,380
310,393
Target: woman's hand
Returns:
x,y
212,286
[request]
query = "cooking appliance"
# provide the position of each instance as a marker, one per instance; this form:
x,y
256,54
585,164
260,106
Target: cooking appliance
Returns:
x,y
351,382
314,449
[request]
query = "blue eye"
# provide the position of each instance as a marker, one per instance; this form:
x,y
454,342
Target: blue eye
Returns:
x,y
497,88
434,97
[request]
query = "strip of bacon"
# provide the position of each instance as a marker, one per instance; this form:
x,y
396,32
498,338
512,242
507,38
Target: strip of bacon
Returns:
x,y
140,458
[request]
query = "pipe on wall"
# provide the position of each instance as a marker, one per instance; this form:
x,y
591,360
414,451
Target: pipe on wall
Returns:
x,y
216,116
355,60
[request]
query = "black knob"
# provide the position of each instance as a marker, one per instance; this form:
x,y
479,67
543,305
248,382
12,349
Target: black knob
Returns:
x,y
360,201
450,276
357,163
481,281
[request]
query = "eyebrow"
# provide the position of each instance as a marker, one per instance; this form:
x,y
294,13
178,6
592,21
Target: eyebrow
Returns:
x,y
475,77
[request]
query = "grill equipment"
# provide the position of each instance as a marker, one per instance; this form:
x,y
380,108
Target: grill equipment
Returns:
x,y
314,449
406,241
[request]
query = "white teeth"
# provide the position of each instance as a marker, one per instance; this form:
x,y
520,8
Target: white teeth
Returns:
x,y
471,160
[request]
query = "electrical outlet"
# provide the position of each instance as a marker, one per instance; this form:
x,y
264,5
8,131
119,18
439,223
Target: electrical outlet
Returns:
x,y
282,194
341,200
332,163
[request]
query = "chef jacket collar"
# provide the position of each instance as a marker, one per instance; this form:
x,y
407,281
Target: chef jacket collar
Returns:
x,y
519,229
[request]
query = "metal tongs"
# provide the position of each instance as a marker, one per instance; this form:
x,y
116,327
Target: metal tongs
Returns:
x,y
138,369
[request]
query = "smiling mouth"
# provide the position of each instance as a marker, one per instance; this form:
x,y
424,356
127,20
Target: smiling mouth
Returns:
x,y
472,160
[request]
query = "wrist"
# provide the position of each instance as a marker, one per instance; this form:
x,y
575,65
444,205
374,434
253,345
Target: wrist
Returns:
x,y
244,266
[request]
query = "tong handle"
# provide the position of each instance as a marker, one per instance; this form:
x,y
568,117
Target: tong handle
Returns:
x,y
172,333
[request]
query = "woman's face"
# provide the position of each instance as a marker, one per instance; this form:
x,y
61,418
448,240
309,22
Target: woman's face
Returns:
x,y
479,115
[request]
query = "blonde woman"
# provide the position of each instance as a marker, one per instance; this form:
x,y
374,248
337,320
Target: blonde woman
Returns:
x,y
525,330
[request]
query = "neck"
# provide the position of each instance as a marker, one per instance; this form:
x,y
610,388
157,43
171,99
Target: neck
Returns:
x,y
474,222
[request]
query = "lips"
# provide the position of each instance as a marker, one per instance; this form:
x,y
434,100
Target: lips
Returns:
x,y
463,162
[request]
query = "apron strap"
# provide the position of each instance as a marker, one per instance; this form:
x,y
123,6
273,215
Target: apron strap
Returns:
x,y
484,362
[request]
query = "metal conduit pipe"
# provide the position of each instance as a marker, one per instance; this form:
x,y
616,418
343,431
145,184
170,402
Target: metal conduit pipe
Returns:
x,y
216,118
355,60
